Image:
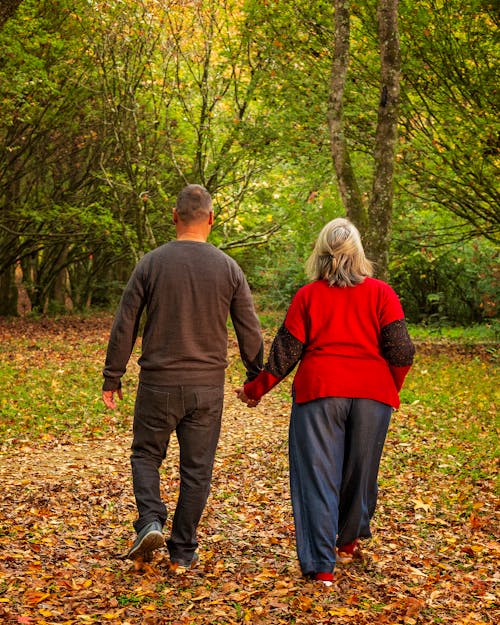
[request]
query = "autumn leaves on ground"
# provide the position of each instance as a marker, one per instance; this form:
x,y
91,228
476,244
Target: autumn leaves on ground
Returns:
x,y
67,508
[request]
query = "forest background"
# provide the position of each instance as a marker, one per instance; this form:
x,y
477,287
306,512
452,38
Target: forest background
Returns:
x,y
108,108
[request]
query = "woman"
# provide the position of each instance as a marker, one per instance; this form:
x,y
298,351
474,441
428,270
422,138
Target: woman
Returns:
x,y
347,329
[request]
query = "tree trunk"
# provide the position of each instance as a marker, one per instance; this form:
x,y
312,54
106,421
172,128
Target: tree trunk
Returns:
x,y
346,178
7,10
374,221
59,293
8,293
380,211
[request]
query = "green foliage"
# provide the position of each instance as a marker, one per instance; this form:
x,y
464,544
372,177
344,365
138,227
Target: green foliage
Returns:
x,y
106,112
276,282
449,139
485,333
443,279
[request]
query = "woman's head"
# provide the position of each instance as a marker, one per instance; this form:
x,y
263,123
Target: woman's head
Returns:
x,y
338,256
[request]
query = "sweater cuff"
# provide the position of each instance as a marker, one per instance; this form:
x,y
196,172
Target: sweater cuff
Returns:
x,y
262,384
111,384
399,375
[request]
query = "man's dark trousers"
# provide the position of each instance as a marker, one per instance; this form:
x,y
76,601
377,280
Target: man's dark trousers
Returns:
x,y
194,413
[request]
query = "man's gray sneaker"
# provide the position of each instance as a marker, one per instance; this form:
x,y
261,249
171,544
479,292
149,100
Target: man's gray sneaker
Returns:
x,y
148,539
180,567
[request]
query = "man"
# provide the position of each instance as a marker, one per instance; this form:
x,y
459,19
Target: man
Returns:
x,y
188,288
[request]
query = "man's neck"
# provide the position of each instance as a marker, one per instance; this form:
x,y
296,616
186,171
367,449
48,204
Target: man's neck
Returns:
x,y
191,236
197,231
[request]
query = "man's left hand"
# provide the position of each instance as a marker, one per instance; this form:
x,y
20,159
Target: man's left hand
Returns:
x,y
109,400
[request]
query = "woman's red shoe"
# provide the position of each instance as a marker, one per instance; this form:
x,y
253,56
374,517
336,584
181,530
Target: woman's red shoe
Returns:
x,y
326,578
349,552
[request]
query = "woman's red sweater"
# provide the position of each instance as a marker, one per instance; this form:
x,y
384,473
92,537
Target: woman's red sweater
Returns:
x,y
343,355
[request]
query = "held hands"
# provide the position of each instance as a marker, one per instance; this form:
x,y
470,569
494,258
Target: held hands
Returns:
x,y
240,394
109,400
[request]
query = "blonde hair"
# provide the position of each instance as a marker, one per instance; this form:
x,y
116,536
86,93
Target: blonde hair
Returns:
x,y
338,256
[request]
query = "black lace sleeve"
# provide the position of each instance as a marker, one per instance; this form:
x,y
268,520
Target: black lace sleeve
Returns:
x,y
396,344
285,353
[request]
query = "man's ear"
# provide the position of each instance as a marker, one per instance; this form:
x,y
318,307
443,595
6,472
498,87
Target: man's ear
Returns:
x,y
211,218
175,216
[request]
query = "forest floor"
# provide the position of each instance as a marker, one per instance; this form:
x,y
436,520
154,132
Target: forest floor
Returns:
x,y
67,508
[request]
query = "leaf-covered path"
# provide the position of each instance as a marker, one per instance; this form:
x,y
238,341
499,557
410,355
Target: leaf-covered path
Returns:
x,y
66,512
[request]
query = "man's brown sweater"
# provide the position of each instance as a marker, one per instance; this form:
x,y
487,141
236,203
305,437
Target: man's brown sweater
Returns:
x,y
188,290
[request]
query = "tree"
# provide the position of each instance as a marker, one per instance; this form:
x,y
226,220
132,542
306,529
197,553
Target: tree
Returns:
x,y
450,137
374,215
180,104
105,115
50,216
219,132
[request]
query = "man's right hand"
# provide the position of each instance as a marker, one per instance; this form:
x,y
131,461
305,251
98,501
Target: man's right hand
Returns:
x,y
109,400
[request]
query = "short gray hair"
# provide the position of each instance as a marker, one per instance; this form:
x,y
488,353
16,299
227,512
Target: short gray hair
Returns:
x,y
338,256
194,203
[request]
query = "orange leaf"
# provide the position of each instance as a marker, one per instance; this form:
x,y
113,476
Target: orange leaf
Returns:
x,y
35,596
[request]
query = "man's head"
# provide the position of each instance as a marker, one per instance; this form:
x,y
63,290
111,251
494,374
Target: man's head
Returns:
x,y
194,204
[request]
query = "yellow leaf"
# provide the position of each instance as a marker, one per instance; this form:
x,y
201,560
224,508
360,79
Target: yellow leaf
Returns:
x,y
419,504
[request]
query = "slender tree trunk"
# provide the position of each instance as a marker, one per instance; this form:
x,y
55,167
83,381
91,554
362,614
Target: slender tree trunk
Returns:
x,y
346,178
8,293
7,10
375,220
59,293
381,203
